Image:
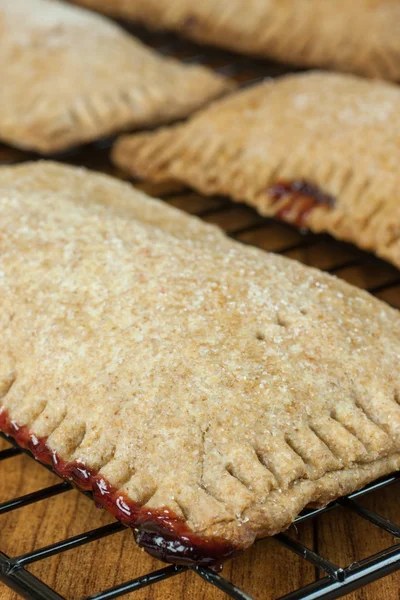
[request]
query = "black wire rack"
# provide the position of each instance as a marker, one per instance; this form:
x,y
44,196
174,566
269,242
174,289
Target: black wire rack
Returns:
x,y
337,581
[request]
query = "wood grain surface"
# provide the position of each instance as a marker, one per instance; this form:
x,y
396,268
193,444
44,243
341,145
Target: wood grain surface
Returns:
x,y
267,571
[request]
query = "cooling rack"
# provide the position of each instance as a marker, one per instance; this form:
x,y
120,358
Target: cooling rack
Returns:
x,y
243,224
338,581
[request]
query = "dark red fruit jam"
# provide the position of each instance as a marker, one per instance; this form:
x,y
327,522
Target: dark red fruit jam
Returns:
x,y
299,197
190,22
160,532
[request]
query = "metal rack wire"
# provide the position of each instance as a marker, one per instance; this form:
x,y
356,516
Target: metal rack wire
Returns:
x,y
338,581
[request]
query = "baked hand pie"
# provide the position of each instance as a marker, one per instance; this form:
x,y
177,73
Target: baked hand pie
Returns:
x,y
360,36
205,391
69,76
318,150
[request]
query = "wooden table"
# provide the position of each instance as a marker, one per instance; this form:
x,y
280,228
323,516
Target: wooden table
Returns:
x,y
266,571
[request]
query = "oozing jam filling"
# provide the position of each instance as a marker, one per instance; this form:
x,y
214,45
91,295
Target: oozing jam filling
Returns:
x,y
161,532
299,198
190,22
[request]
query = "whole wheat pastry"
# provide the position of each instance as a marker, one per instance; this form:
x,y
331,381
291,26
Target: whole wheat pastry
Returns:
x,y
69,76
360,36
204,390
317,150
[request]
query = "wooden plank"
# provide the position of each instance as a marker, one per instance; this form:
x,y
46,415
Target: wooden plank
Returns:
x,y
346,538
115,559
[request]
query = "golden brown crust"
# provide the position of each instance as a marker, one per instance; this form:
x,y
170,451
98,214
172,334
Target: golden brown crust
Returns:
x,y
230,385
70,76
318,150
361,36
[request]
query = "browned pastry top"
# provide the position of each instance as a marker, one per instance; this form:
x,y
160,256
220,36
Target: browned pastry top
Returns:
x,y
318,150
359,36
192,374
69,76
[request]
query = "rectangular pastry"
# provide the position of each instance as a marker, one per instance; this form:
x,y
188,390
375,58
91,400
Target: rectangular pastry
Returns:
x,y
205,391
69,76
360,36
318,150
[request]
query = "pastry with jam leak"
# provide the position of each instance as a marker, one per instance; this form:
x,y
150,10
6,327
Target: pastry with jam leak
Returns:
x,y
204,391
162,533
318,150
297,199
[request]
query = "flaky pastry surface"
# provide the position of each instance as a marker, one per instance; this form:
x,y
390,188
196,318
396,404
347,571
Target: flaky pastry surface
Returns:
x,y
229,385
318,150
70,76
359,36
